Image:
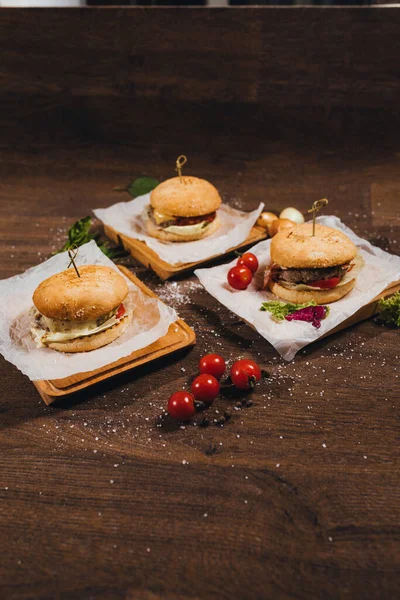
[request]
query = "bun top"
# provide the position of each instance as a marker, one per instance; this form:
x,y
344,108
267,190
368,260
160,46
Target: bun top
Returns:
x,y
297,248
67,297
190,198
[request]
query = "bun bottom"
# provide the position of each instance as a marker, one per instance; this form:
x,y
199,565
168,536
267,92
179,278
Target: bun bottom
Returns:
x,y
319,296
167,236
92,342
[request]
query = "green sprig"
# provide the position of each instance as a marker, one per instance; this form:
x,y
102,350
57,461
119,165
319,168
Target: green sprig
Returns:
x,y
80,234
139,187
389,310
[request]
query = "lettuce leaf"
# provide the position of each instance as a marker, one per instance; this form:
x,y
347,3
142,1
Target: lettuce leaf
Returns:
x,y
389,310
280,310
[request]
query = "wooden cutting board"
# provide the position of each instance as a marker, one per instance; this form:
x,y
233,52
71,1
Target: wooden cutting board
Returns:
x,y
150,259
179,336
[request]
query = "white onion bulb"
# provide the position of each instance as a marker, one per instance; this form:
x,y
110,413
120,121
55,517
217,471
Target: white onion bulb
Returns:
x,y
293,214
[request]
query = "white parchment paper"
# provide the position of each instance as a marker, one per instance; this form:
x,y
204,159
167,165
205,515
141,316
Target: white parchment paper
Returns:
x,y
288,337
126,218
151,320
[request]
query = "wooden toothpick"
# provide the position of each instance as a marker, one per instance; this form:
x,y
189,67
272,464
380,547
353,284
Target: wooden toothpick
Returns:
x,y
318,204
72,252
180,161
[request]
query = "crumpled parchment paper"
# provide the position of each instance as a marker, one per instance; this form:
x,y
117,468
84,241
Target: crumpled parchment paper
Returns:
x,y
151,320
288,337
126,218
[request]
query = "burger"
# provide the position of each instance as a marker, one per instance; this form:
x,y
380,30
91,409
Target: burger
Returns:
x,y
183,209
79,314
306,267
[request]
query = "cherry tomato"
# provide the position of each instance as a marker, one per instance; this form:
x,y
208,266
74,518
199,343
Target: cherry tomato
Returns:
x,y
212,364
121,311
181,406
248,260
245,373
239,277
325,284
205,388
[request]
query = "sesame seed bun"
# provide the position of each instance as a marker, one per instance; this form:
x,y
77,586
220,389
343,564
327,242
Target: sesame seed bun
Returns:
x,y
67,297
297,248
319,296
190,198
167,236
92,342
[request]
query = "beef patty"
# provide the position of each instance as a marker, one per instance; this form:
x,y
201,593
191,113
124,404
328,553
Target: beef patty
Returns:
x,y
184,221
307,275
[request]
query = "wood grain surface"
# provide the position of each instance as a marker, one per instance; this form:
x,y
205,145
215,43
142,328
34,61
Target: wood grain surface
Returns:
x,y
296,496
150,259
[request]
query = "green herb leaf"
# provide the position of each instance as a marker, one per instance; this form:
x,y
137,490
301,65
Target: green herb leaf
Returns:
x,y
280,310
113,253
389,310
79,234
142,185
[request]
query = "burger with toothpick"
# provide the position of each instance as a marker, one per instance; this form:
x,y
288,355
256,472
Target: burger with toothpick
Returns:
x,y
312,262
80,310
182,209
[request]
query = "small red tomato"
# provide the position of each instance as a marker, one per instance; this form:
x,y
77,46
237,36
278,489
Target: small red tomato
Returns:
x,y
245,373
205,388
212,364
326,284
239,277
181,406
121,311
249,260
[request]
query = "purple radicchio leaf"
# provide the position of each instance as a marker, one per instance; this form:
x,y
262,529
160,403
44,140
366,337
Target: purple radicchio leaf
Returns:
x,y
310,314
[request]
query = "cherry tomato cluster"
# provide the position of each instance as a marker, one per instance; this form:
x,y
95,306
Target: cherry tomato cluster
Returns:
x,y
240,276
244,374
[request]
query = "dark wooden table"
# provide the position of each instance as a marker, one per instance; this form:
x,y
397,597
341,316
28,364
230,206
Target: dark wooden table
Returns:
x,y
296,496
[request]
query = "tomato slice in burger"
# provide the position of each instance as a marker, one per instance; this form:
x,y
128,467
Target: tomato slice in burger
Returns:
x,y
325,284
120,311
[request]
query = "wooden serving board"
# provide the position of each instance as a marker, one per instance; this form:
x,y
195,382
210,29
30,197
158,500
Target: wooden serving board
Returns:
x,y
367,311
150,259
179,336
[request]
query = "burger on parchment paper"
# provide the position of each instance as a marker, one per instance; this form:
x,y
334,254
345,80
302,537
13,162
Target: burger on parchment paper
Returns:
x,y
183,209
79,314
305,267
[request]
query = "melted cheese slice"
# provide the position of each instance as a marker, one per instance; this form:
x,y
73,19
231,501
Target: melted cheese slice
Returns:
x,y
187,229
80,332
161,217
75,330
